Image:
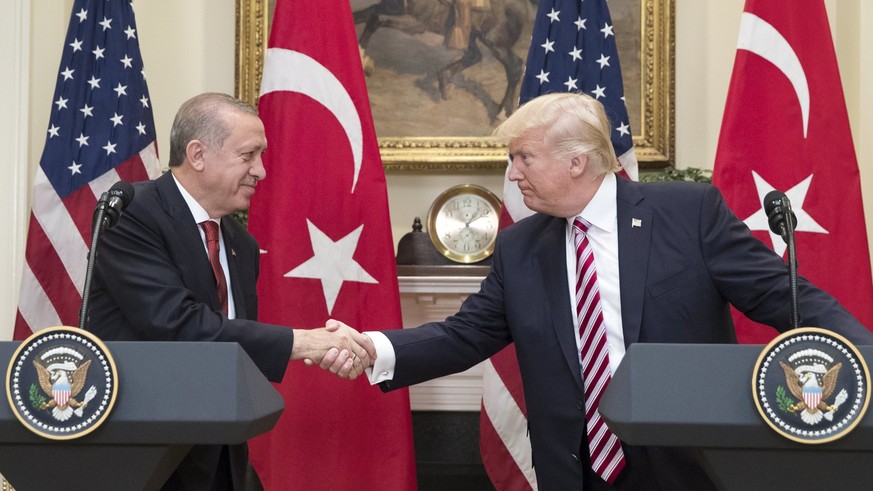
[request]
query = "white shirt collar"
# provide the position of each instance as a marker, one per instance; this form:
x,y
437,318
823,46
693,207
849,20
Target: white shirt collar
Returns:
x,y
602,210
199,213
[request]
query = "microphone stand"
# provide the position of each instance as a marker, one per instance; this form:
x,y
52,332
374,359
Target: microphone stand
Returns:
x,y
792,261
97,226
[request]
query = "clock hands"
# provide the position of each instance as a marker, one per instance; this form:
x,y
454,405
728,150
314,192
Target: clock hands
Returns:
x,y
463,222
479,213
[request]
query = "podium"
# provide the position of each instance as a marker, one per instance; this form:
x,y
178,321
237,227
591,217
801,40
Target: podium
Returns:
x,y
172,395
700,397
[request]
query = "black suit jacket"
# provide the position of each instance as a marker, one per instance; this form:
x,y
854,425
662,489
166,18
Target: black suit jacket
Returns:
x,y
679,271
153,282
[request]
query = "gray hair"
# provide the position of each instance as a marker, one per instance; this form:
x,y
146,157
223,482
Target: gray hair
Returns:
x,y
572,124
201,118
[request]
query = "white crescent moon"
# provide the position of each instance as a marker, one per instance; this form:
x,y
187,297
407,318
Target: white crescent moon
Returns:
x,y
761,38
292,71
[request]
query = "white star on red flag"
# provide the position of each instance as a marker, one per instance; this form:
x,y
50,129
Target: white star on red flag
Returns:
x,y
322,213
785,118
797,196
332,263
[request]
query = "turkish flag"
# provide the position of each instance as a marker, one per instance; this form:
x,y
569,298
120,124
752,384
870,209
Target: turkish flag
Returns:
x,y
785,127
321,219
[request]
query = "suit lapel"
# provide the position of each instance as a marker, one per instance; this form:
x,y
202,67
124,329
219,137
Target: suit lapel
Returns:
x,y
553,259
234,267
634,241
197,265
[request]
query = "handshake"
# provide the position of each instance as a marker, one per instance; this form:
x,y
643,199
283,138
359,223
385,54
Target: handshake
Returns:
x,y
335,347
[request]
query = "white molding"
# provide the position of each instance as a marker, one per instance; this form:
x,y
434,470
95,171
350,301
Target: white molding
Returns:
x,y
433,298
14,124
440,284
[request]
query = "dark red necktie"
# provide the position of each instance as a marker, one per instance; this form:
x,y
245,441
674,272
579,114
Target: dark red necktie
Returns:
x,y
607,457
210,228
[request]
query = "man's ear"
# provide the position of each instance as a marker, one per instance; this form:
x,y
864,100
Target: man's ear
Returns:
x,y
578,165
195,154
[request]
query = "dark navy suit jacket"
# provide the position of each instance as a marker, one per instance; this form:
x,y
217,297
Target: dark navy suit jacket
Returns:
x,y
679,271
153,282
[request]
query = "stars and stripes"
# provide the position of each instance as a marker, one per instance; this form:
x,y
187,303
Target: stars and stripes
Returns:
x,y
101,130
572,49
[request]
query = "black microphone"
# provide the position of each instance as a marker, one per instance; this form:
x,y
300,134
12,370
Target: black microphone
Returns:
x,y
106,214
782,221
112,203
777,206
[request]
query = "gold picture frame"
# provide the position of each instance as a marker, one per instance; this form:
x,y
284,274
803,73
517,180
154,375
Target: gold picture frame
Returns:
x,y
654,131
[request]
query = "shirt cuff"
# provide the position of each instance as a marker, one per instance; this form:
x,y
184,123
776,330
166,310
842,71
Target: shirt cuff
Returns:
x,y
383,369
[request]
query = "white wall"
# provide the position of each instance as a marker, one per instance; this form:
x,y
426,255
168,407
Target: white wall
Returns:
x,y
706,36
13,139
188,48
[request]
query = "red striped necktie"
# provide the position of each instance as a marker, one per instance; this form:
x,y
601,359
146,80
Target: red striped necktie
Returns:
x,y
607,457
210,228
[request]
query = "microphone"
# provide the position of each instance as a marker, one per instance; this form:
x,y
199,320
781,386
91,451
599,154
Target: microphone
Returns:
x,y
777,206
782,221
106,214
112,203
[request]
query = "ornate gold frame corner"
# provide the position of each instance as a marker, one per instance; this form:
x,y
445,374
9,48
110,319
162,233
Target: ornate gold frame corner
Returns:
x,y
654,144
251,43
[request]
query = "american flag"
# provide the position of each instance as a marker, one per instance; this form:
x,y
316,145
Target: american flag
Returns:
x,y
101,130
572,49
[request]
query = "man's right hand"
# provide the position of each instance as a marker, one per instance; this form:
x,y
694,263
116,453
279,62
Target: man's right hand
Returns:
x,y
336,347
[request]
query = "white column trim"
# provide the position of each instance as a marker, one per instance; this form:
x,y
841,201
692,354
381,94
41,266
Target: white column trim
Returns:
x,y
14,128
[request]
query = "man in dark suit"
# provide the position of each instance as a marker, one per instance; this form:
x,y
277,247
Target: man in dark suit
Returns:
x,y
669,259
155,280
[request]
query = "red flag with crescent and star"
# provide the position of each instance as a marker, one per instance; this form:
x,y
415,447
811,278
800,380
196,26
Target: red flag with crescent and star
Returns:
x,y
785,127
321,219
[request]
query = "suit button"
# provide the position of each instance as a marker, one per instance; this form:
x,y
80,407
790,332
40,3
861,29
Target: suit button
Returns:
x,y
580,405
575,457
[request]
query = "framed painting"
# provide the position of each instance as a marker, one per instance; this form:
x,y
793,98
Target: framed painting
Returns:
x,y
431,116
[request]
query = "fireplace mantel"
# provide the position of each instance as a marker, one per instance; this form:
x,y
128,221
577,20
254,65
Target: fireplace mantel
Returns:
x,y
433,298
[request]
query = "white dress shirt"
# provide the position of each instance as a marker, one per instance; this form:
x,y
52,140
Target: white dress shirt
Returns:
x,y
200,216
602,214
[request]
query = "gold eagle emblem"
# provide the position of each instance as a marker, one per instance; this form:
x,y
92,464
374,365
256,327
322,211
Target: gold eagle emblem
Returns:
x,y
63,386
812,395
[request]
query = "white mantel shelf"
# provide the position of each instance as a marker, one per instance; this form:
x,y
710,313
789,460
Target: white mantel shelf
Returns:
x,y
440,284
433,298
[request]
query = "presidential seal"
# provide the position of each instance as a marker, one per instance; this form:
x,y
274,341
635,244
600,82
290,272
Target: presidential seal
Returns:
x,y
811,385
61,383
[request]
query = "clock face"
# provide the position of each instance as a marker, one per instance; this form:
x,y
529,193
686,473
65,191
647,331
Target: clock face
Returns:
x,y
463,223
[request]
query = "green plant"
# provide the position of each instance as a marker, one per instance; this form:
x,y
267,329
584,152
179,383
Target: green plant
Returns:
x,y
242,217
693,174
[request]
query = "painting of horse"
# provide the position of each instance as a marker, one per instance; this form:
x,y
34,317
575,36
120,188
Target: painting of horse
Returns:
x,y
455,65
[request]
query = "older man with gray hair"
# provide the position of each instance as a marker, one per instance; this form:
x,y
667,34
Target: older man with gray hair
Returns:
x,y
177,268
605,262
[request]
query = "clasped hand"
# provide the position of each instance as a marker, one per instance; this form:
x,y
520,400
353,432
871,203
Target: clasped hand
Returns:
x,y
336,347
